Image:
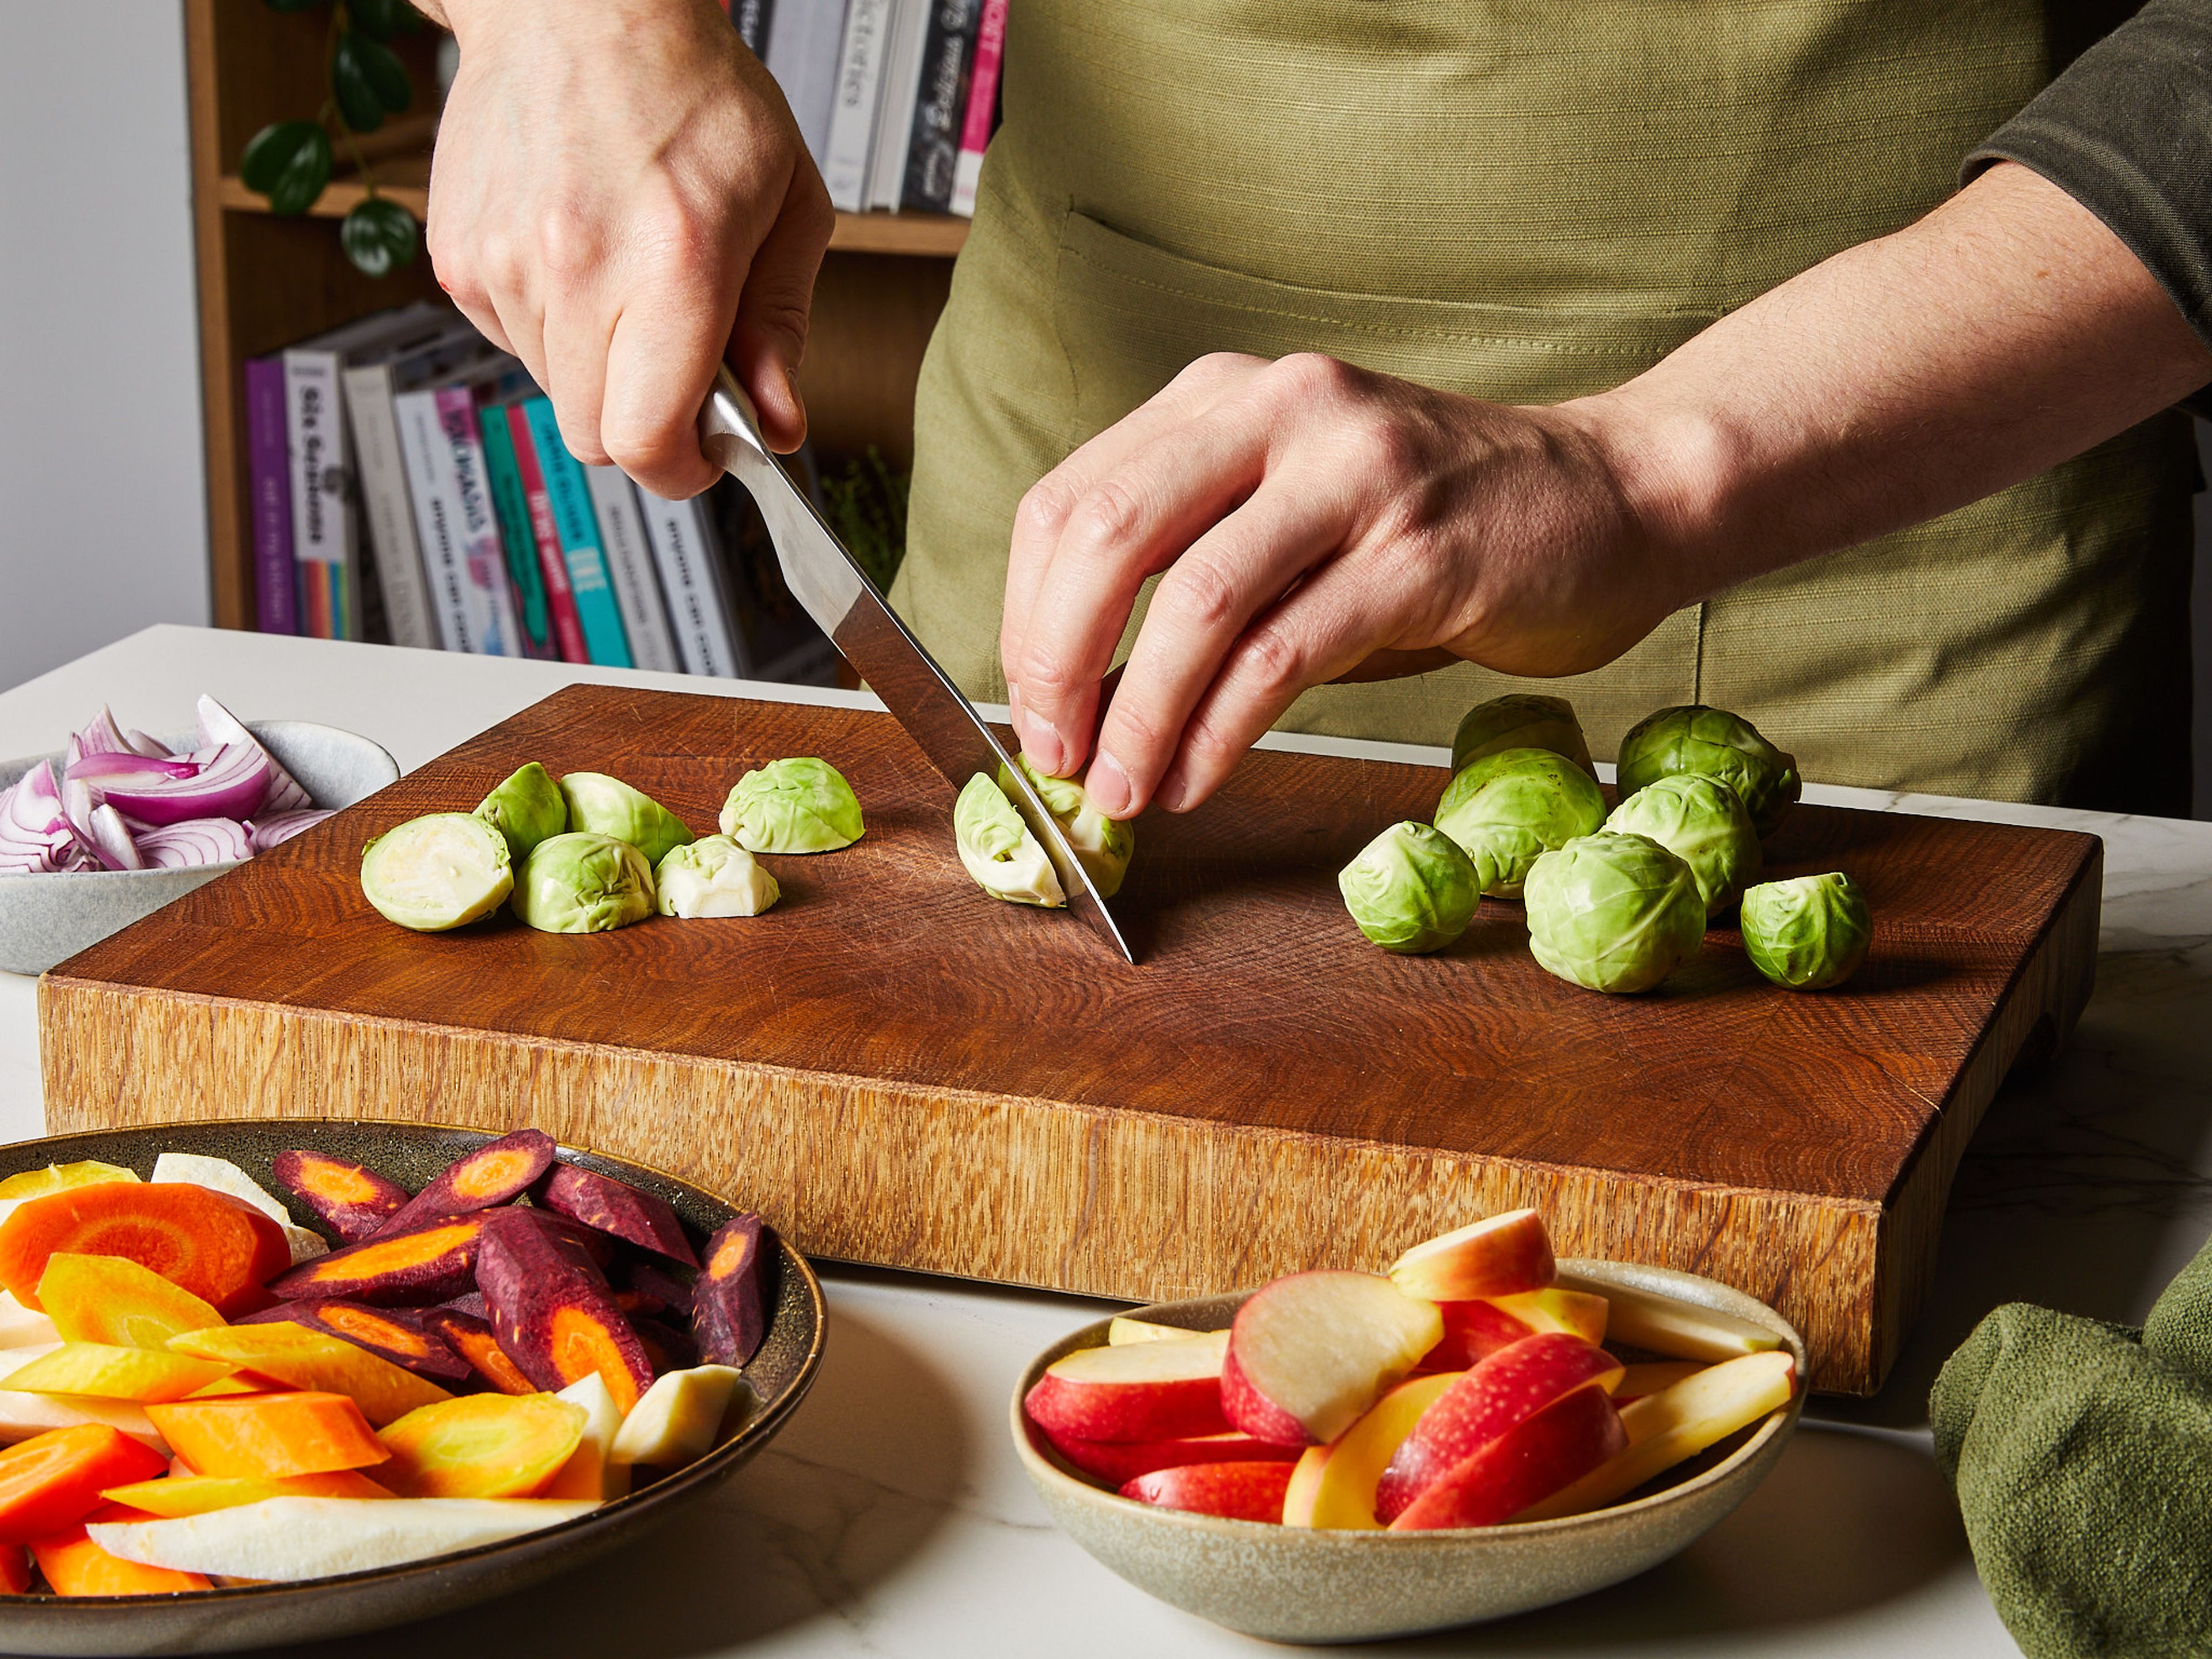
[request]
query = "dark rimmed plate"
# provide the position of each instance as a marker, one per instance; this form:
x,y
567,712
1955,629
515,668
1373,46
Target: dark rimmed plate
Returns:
x,y
227,1621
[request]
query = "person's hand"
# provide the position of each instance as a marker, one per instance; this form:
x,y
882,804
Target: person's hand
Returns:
x,y
619,195
1314,522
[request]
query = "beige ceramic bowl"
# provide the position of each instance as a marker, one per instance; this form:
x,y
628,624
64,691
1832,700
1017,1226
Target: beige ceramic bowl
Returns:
x,y
1291,1584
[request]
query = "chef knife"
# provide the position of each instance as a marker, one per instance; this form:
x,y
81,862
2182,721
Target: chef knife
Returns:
x,y
825,579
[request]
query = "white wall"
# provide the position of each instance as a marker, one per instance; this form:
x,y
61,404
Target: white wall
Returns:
x,y
103,511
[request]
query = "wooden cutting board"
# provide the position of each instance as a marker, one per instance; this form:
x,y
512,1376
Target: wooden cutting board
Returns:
x,y
907,1073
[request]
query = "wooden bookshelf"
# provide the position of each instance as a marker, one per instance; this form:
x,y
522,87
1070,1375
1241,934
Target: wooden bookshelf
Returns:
x,y
265,281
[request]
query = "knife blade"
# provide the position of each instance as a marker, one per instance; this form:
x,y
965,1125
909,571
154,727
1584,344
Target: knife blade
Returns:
x,y
836,592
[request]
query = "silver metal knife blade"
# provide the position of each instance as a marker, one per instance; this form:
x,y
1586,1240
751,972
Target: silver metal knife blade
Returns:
x,y
835,591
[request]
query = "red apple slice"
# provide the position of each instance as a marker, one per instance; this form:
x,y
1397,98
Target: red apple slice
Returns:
x,y
1504,1390
1679,1329
1475,1330
1119,1462
1344,1493
1239,1491
1311,1351
1140,1391
1534,1458
1499,1256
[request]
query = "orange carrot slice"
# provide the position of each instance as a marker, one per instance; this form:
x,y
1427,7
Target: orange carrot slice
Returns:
x,y
52,1480
75,1566
14,1570
213,1245
113,1299
172,1497
481,1445
473,1339
268,1435
428,1266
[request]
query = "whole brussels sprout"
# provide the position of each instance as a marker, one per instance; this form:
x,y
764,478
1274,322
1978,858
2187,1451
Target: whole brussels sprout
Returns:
x,y
1714,744
602,806
1807,932
1613,912
1506,809
582,883
1411,888
1103,846
713,877
526,809
796,805
996,846
435,872
1519,720
1701,821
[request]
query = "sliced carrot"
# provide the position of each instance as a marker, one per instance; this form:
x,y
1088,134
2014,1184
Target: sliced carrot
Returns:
x,y
14,1570
470,1338
75,1566
145,1374
113,1299
303,1359
481,1445
428,1266
268,1435
240,1383
60,1177
220,1249
52,1480
172,1497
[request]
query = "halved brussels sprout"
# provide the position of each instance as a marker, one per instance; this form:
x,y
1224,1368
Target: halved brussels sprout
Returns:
x,y
1506,809
526,809
714,877
1715,743
796,805
1103,846
601,805
1519,720
432,873
1411,888
996,846
582,883
1613,912
1702,822
1807,932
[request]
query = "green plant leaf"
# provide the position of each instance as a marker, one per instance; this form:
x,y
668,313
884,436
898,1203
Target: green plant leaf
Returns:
x,y
289,162
368,80
380,236
380,20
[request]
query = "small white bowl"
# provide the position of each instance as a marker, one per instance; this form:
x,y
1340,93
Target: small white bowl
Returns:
x,y
45,919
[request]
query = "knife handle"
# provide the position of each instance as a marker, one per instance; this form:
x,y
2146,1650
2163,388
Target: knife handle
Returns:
x,y
728,417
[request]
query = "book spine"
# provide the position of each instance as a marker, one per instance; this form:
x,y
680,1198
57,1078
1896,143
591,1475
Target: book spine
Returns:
x,y
853,118
387,512
518,539
269,477
490,597
803,54
982,106
752,19
580,539
434,490
317,470
894,101
932,153
629,564
682,536
559,602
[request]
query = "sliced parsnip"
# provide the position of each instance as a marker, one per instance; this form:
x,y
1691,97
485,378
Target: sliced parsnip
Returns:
x,y
677,1417
22,1415
20,1328
590,1472
282,1539
221,1175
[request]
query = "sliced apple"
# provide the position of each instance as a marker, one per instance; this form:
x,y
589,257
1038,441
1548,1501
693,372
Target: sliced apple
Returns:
x,y
1139,1391
1311,1351
1237,1491
1299,1497
1121,1330
1117,1462
1681,1330
1475,1330
1344,1494
1678,1423
1537,1457
1499,1256
1650,1376
1504,1391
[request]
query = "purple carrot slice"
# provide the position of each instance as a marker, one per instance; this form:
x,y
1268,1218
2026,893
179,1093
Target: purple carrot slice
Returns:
x,y
352,1201
472,1338
552,1312
497,1172
397,1334
668,1348
412,1270
729,1299
669,1290
615,1208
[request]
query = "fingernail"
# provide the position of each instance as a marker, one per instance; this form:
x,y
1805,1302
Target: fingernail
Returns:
x,y
1040,743
1108,786
1172,794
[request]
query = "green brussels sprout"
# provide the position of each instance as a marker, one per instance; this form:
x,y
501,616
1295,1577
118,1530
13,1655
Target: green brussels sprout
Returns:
x,y
1103,846
526,809
996,846
714,877
1411,888
1714,744
1702,822
1520,720
601,805
1613,912
1506,809
583,882
1807,932
436,872
799,805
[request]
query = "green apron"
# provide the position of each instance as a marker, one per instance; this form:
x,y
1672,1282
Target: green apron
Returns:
x,y
1527,201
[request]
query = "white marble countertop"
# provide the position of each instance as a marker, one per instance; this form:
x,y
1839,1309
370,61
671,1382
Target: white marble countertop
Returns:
x,y
892,1518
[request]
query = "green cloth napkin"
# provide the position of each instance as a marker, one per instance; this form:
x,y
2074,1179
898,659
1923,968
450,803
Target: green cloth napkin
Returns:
x,y
2082,1456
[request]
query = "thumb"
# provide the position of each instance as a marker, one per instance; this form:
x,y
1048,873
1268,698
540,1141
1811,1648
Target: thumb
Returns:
x,y
773,310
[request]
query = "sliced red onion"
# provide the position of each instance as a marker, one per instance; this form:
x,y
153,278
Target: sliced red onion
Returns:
x,y
77,803
101,737
34,830
231,783
218,725
114,843
274,828
195,841
130,771
143,744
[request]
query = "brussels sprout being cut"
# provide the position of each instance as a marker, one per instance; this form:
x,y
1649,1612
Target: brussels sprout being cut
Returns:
x,y
526,809
1506,809
799,805
582,883
1007,861
1103,847
1701,821
1614,912
436,872
714,877
601,805
1808,932
1411,888
1520,720
1714,744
